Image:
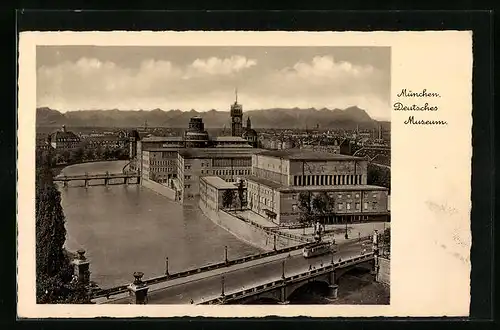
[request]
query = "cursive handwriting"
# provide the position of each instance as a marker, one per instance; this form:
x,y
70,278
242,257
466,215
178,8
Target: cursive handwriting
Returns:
x,y
409,93
413,121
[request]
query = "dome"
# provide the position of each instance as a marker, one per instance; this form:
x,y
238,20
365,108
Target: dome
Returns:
x,y
249,133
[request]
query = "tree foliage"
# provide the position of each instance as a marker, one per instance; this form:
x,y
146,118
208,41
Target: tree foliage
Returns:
x,y
227,198
379,176
54,272
241,194
314,207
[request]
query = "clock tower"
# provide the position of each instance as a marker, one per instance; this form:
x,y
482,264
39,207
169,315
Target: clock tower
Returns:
x,y
236,117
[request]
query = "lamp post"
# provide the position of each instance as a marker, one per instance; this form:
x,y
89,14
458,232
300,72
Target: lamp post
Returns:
x,y
346,234
274,242
225,254
283,269
166,266
222,286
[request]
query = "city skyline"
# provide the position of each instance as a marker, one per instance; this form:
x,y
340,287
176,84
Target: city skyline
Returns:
x,y
204,78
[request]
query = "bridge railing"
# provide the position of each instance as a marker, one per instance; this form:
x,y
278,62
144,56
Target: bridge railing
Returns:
x,y
280,282
159,279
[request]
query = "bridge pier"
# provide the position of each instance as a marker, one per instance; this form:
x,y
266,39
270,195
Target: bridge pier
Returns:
x,y
138,290
333,291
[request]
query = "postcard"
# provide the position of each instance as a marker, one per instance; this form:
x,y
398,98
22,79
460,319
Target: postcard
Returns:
x,y
244,174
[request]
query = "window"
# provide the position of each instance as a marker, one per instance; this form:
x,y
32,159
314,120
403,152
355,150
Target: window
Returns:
x,y
366,206
341,206
348,206
374,195
358,206
374,205
294,208
340,195
348,195
357,195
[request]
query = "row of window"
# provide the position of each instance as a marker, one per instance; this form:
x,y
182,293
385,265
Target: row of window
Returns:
x,y
348,206
226,172
326,180
164,162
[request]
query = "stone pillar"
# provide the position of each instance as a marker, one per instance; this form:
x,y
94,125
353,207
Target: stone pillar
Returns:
x,y
81,267
283,300
333,291
332,277
138,290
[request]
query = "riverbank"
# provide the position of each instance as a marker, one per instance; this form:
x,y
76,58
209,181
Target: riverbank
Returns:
x,y
248,232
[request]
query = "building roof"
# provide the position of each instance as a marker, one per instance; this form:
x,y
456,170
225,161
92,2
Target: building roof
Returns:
x,y
64,135
218,182
217,152
304,154
161,149
163,139
249,132
105,138
228,139
283,188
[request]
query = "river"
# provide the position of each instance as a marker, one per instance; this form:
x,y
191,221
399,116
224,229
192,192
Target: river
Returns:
x,y
129,228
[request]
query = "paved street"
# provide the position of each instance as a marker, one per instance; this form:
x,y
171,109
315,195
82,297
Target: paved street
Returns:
x,y
210,287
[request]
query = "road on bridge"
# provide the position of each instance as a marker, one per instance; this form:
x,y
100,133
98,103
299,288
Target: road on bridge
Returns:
x,y
208,288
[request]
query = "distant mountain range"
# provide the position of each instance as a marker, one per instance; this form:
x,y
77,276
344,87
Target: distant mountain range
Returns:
x,y
268,118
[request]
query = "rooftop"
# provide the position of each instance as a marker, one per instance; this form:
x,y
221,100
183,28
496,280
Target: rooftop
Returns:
x,y
229,139
163,139
217,152
218,183
283,188
303,154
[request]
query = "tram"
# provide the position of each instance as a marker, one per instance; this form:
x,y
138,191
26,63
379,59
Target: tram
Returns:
x,y
319,249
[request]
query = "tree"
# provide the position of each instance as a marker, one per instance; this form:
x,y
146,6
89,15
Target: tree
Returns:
x,y
227,198
53,268
379,176
305,207
76,155
322,205
241,193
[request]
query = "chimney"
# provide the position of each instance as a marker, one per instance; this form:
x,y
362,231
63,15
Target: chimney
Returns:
x,y
64,128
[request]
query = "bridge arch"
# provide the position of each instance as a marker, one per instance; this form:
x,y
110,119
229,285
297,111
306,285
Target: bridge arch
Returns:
x,y
363,267
319,286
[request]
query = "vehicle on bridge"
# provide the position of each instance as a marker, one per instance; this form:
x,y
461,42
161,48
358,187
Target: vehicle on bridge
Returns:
x,y
319,249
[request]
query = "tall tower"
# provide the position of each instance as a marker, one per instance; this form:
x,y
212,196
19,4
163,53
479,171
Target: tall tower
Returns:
x,y
236,117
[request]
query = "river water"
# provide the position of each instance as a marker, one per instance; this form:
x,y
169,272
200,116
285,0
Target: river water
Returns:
x,y
129,228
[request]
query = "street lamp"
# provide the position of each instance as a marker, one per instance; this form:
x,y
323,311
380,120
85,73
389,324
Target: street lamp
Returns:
x,y
275,242
283,269
346,234
225,254
222,286
166,266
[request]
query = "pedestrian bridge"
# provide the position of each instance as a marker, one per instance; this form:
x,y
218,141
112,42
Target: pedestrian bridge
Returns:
x,y
102,179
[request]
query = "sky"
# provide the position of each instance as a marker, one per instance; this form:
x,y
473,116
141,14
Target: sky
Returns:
x,y
203,78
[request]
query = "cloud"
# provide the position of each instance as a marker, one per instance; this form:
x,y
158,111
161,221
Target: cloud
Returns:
x,y
217,66
208,83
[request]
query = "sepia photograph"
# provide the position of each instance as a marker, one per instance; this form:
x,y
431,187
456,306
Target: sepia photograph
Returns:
x,y
244,174
213,175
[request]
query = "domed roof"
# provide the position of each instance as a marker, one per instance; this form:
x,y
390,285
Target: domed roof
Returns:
x,y
249,132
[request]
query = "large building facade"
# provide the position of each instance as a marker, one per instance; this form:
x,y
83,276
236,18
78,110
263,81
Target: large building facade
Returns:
x,y
180,161
280,177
